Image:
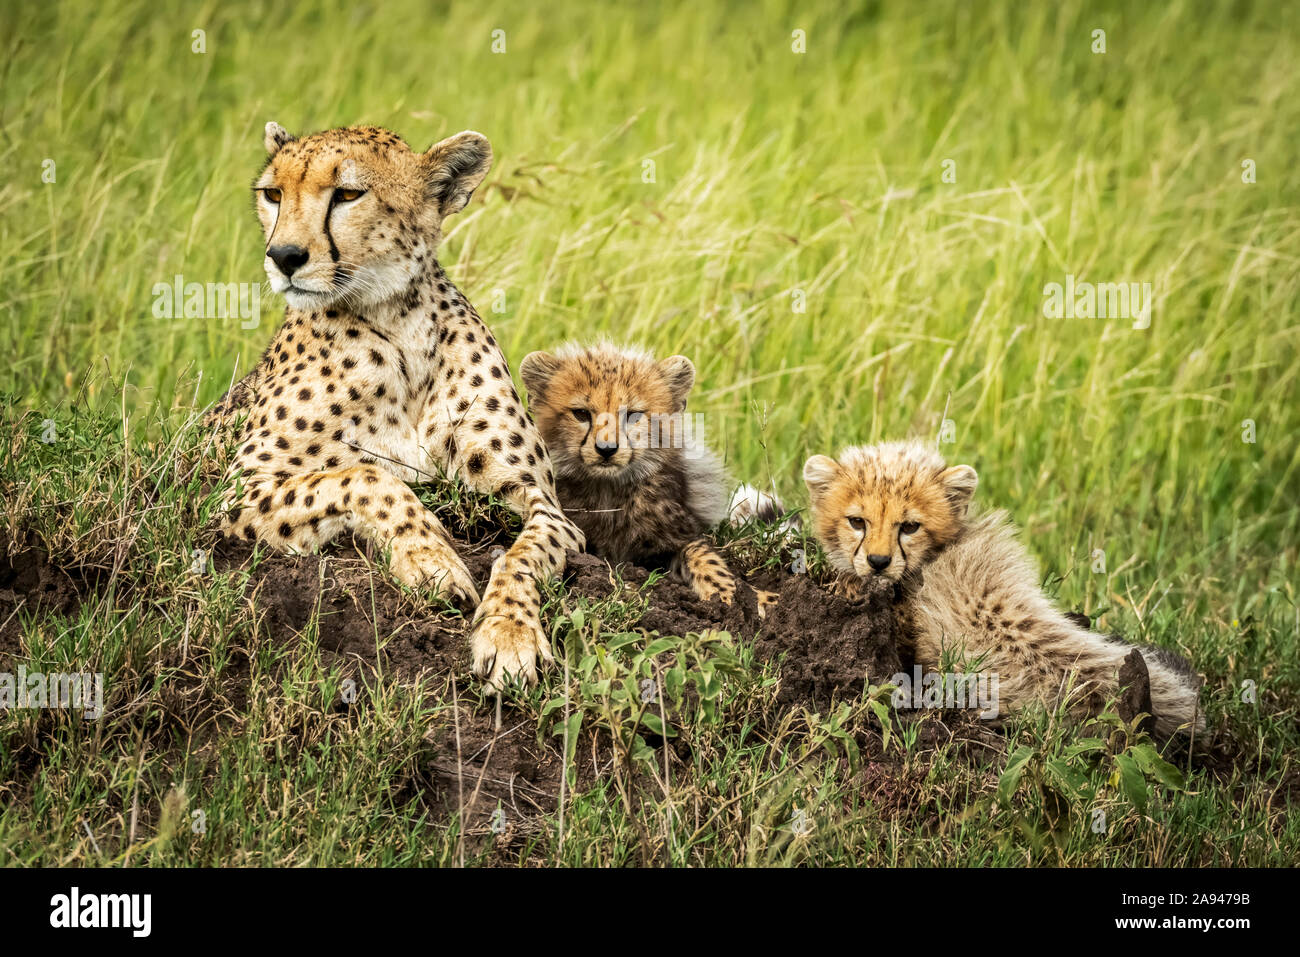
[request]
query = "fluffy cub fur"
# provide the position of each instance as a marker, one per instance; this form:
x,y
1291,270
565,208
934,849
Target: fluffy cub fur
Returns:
x,y
749,504
629,469
897,510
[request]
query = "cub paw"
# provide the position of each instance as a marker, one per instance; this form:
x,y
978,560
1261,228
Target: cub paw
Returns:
x,y
766,600
848,587
709,588
436,566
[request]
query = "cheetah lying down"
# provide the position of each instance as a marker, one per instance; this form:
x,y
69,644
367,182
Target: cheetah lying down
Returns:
x,y
381,375
632,473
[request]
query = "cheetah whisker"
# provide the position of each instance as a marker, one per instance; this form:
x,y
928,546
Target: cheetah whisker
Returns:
x,y
379,455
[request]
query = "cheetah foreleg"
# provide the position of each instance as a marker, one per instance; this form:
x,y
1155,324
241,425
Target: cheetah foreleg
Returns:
x,y
706,571
303,512
701,567
507,640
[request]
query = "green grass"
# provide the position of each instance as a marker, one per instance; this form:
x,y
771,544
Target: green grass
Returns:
x,y
774,172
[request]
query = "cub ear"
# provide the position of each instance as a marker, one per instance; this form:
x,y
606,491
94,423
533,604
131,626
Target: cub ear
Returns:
x,y
455,167
959,483
679,373
819,472
536,371
275,138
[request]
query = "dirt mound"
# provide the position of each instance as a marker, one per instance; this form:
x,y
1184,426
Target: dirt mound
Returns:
x,y
826,649
829,648
358,603
29,584
479,759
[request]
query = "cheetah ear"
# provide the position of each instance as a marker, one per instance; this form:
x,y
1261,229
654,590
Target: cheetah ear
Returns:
x,y
536,371
275,138
455,167
959,483
819,472
679,373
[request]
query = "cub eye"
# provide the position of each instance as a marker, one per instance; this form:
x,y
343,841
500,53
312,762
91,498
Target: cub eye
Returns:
x,y
857,523
348,195
582,415
907,528
272,195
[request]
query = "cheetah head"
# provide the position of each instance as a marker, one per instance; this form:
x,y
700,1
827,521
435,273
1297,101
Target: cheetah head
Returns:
x,y
608,414
887,509
351,215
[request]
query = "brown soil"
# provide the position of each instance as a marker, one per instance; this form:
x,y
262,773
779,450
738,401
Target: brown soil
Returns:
x,y
827,649
832,647
27,583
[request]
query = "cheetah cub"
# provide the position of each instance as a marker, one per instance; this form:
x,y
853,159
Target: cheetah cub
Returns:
x,y
896,510
629,470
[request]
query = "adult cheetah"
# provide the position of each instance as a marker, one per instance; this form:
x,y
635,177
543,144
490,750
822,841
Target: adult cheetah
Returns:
x,y
382,374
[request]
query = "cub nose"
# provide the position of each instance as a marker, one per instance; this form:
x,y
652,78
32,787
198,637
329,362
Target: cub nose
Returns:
x,y
288,258
879,562
606,450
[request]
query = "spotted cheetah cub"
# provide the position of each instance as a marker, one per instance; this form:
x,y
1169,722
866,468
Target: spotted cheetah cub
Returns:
x,y
898,511
629,469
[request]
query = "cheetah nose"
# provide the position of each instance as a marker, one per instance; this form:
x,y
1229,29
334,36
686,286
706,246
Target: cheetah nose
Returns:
x,y
288,258
879,562
606,450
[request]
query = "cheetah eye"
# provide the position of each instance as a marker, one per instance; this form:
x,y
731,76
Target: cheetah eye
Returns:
x,y
348,195
907,528
582,415
272,195
857,523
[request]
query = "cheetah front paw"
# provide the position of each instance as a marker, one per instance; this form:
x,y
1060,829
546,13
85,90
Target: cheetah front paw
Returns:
x,y
506,645
436,566
577,535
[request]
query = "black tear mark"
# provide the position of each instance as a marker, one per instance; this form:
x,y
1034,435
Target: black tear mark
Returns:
x,y
334,250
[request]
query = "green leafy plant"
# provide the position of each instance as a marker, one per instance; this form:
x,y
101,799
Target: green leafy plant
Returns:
x,y
629,684
1061,775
